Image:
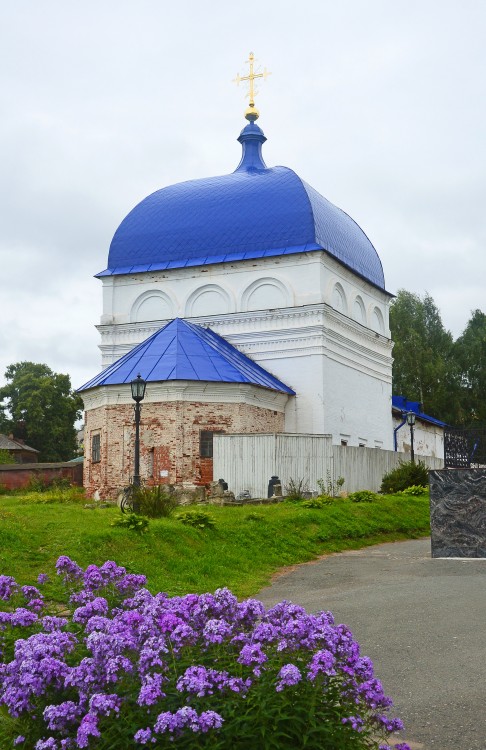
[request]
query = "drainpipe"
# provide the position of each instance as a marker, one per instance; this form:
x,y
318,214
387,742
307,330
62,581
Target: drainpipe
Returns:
x,y
395,441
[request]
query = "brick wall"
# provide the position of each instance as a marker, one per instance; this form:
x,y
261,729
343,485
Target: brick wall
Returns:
x,y
169,441
18,476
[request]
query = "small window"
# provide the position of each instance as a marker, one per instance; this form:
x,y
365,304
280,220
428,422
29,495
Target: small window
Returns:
x,y
206,443
344,443
96,448
361,445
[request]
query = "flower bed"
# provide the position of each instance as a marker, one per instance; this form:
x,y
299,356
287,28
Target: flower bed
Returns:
x,y
120,668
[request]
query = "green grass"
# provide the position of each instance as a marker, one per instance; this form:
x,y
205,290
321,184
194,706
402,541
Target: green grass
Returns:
x,y
240,552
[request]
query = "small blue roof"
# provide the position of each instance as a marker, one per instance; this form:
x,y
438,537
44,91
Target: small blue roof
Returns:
x,y
185,351
255,212
404,405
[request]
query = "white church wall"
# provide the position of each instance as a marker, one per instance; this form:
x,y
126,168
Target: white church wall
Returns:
x,y
318,332
428,438
267,283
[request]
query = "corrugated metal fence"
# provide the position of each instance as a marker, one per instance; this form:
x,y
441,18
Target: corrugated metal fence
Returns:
x,y
247,462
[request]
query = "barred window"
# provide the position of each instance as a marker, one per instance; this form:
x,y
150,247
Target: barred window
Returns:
x,y
96,448
206,442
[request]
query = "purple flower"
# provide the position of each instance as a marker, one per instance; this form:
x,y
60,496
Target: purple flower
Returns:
x,y
356,722
23,618
216,631
151,690
321,663
49,744
98,606
61,716
252,654
50,623
288,676
131,583
18,740
187,717
68,569
102,704
143,736
42,578
88,728
8,586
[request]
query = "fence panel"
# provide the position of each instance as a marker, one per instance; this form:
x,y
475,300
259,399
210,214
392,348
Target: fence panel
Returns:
x,y
247,462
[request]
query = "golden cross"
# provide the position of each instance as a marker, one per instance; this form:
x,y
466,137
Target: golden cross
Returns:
x,y
251,79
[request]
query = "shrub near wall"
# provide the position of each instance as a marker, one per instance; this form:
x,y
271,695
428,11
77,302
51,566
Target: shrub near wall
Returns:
x,y
118,667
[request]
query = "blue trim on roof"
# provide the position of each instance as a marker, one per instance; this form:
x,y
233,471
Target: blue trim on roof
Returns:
x,y
402,404
252,213
185,351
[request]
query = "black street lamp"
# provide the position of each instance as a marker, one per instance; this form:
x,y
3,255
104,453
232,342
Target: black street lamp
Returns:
x,y
411,423
138,392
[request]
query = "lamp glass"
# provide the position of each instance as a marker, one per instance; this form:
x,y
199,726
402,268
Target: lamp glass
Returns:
x,y
138,388
410,418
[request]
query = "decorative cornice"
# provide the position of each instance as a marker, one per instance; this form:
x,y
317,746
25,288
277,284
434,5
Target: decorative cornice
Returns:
x,y
185,390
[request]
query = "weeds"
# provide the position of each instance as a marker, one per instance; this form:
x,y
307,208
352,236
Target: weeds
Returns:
x,y
197,518
132,522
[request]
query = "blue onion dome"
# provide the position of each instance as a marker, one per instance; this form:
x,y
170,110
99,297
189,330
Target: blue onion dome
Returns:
x,y
255,212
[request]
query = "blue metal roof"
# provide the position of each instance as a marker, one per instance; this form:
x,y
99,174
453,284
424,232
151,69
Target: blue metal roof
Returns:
x,y
255,212
404,405
185,351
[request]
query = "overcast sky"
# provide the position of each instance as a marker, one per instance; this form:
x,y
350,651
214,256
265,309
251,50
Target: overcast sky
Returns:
x,y
379,105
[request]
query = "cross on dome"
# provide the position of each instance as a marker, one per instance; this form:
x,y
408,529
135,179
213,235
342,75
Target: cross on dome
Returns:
x,y
251,113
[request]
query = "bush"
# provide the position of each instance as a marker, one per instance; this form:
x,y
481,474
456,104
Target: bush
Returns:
x,y
415,490
53,494
123,668
295,489
5,457
405,475
154,502
198,518
318,502
40,484
133,522
363,496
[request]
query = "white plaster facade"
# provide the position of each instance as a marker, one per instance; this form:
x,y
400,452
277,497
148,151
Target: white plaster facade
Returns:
x,y
428,438
308,320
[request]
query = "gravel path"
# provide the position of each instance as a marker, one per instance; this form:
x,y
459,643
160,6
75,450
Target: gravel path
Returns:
x,y
422,621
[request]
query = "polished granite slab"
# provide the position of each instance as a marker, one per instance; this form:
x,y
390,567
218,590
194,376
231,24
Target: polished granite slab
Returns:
x,y
458,512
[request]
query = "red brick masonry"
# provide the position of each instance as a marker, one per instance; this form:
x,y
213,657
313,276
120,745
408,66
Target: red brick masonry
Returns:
x,y
169,441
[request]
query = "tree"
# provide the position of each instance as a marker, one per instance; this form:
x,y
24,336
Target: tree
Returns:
x,y
424,367
470,352
38,406
6,458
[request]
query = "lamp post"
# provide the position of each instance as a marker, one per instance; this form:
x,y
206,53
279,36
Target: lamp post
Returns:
x,y
138,392
411,423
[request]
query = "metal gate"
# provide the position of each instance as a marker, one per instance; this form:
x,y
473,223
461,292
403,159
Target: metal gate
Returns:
x,y
465,449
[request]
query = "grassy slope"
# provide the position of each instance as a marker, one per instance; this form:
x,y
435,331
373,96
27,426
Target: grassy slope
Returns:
x,y
239,553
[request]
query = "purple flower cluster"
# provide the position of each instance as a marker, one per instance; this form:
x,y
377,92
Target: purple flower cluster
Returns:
x,y
171,666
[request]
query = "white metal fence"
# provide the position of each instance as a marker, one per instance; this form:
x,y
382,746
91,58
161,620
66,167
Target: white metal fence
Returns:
x,y
247,462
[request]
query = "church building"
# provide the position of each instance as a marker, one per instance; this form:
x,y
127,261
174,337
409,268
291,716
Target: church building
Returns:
x,y
248,303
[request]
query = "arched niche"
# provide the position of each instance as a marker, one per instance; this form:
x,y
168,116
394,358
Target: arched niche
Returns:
x,y
339,299
152,305
377,321
210,299
266,294
359,312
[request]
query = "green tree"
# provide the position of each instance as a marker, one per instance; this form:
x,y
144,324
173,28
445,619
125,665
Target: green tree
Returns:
x,y
470,352
6,458
424,367
39,406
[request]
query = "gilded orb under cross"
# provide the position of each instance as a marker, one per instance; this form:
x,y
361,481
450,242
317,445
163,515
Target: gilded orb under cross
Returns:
x,y
251,113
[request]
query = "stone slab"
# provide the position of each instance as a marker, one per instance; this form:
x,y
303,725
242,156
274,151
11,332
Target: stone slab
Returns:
x,y
458,512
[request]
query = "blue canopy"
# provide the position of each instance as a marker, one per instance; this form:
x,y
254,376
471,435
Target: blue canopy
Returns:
x,y
185,351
